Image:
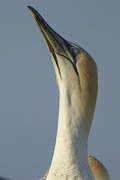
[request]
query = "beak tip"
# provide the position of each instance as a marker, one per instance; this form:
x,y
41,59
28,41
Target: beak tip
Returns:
x,y
32,10
29,7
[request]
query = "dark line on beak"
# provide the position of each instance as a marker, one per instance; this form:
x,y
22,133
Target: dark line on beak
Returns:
x,y
43,25
54,55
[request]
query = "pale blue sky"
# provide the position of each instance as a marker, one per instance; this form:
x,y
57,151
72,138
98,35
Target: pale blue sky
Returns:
x,y
28,91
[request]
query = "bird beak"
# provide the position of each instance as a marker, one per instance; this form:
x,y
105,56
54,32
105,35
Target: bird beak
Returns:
x,y
53,40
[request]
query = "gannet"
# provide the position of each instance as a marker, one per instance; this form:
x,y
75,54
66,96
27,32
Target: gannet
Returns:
x,y
76,76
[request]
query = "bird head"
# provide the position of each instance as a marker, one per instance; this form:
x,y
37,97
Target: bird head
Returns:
x,y
76,71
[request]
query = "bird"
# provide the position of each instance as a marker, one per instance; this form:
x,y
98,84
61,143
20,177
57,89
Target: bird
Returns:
x,y
77,81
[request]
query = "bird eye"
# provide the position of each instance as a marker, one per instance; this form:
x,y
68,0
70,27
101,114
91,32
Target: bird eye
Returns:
x,y
74,51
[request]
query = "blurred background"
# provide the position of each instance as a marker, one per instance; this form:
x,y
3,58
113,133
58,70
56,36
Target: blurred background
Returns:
x,y
28,91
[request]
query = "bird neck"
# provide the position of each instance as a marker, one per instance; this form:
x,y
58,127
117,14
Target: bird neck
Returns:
x,y
70,155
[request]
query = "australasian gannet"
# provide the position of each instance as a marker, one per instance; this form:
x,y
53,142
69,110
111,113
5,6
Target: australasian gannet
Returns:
x,y
76,75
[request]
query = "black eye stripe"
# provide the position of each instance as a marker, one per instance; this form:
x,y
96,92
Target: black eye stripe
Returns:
x,y
56,61
73,64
